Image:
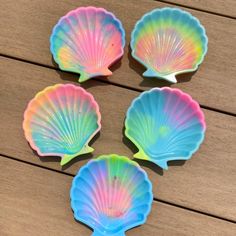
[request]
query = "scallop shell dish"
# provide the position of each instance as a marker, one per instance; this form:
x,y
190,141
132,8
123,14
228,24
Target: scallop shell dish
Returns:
x,y
61,120
165,124
168,42
111,194
87,41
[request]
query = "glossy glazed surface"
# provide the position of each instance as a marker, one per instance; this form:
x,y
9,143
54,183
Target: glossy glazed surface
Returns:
x,y
61,120
168,41
165,124
111,194
87,41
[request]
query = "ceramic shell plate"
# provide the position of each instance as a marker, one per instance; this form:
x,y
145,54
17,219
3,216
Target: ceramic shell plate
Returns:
x,y
61,120
111,194
168,42
165,124
87,41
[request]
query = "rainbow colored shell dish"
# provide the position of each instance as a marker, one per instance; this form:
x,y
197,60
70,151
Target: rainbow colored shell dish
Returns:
x,y
87,41
111,194
168,42
165,124
61,120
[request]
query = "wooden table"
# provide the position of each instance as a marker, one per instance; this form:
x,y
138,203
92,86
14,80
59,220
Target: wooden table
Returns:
x,y
197,197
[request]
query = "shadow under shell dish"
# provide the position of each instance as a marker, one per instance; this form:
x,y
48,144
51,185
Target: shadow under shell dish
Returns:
x,y
87,41
61,120
168,42
165,124
111,194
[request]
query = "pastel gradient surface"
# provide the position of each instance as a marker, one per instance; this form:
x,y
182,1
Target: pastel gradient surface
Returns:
x,y
165,124
87,41
168,41
61,120
111,194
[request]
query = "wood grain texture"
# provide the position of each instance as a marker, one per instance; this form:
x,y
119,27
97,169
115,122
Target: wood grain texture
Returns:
x,y
205,183
223,7
26,26
36,202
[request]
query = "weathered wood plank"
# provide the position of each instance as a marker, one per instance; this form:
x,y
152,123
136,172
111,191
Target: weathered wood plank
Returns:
x,y
26,26
223,7
35,201
206,182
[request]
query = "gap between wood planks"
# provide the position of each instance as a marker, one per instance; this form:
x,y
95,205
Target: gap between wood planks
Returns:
x,y
155,199
195,8
106,82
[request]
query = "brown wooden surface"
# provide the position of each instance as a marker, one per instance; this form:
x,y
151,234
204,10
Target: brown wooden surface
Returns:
x,y
210,174
36,202
25,34
197,197
222,7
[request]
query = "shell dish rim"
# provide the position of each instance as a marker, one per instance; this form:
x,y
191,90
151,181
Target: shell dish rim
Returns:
x,y
160,10
77,10
44,91
131,162
138,146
